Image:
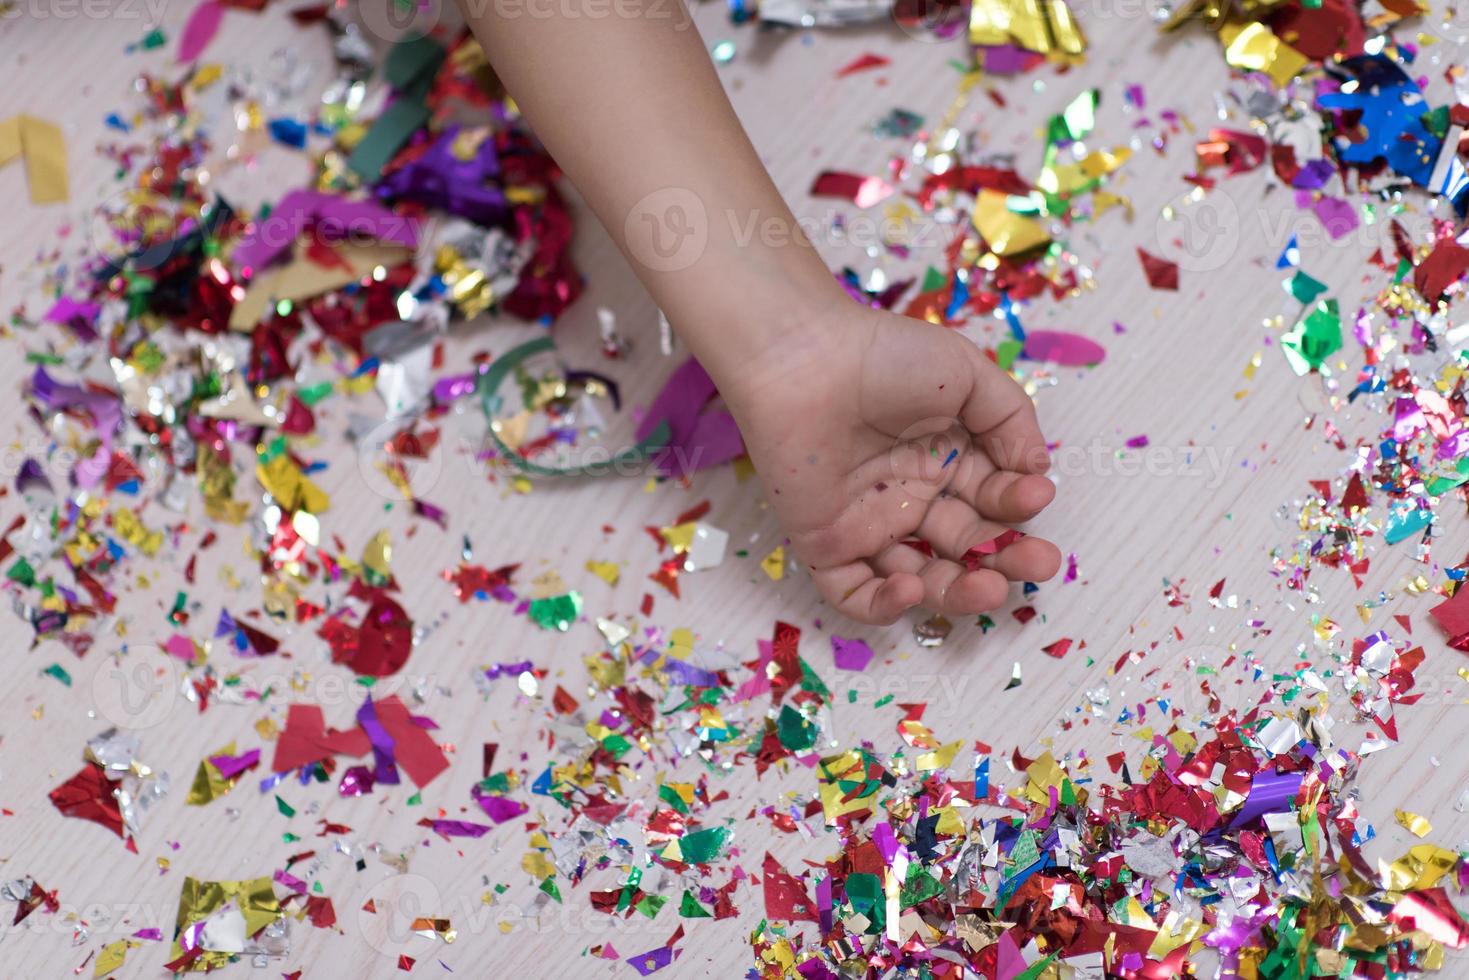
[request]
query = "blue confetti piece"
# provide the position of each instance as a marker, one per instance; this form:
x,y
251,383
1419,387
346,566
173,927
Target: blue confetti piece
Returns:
x,y
290,132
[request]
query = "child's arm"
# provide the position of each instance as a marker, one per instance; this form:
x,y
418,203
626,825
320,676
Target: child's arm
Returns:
x,y
830,396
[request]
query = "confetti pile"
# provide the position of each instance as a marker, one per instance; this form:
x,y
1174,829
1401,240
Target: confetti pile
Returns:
x,y
195,349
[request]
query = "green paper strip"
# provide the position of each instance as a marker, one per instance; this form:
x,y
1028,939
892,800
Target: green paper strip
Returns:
x,y
489,392
391,130
411,65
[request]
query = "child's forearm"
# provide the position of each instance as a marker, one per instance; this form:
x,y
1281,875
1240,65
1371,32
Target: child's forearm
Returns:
x,y
623,94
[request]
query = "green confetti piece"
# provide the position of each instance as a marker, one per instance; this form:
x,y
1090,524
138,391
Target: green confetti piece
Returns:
x,y
703,846
689,907
1037,968
882,701
290,838
59,672
150,357
1304,288
22,572
312,395
795,732
1443,483
669,795
1025,852
1436,121
272,449
1314,338
549,887
285,808
1006,351
864,892
1076,121
557,612
650,905
153,40
920,887
416,799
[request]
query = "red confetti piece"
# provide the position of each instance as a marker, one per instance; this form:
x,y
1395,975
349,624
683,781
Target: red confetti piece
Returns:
x,y
1160,273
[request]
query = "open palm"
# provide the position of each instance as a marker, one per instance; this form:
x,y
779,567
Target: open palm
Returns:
x,y
891,453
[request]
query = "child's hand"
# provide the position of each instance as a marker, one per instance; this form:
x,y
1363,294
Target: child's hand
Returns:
x,y
874,428
838,404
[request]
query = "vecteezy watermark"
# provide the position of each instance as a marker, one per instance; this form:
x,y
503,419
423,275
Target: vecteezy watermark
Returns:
x,y
939,452
1208,463
147,11
137,689
55,461
943,689
142,686
141,229
1200,233
930,20
399,20
1451,23
667,230
389,919
670,229
92,920
388,472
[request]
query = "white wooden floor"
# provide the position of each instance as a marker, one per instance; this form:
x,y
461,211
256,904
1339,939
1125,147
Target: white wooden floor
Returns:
x,y
1174,375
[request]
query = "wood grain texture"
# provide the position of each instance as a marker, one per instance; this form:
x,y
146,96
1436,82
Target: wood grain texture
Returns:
x,y
1173,375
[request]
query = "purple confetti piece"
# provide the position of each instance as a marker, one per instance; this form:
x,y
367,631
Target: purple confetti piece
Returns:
x,y
851,654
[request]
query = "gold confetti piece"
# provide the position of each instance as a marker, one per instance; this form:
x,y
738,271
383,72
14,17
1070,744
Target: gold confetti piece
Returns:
x,y
774,564
284,481
1006,232
254,898
940,758
205,76
377,557
1421,867
131,530
1414,823
679,536
111,957
1043,774
605,570
1254,47
40,144
537,865
209,783
1043,26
